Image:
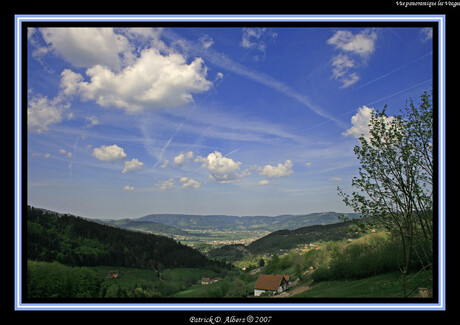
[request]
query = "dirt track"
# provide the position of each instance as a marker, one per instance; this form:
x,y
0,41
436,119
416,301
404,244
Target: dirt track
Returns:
x,y
294,291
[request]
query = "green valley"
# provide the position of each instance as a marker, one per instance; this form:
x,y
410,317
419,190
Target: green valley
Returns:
x,y
72,257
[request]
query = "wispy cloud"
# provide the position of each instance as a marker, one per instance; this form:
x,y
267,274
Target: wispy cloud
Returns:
x,y
360,45
394,70
223,61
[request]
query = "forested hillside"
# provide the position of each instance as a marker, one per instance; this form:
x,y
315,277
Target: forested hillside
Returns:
x,y
75,241
288,239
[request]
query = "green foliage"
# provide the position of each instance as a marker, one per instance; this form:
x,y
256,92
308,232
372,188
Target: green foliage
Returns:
x,y
375,255
54,280
395,182
75,241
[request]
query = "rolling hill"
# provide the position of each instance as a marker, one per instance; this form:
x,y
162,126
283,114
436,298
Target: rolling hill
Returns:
x,y
181,224
287,239
75,241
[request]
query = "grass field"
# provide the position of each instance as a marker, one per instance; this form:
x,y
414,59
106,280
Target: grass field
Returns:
x,y
380,286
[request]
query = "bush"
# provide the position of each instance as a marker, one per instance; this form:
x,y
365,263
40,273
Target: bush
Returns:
x,y
375,255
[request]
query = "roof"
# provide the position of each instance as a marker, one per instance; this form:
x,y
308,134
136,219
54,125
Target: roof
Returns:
x,y
270,282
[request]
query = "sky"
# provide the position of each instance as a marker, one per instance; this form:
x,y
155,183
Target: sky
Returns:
x,y
125,122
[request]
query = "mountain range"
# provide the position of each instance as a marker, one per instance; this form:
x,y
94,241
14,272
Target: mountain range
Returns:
x,y
183,224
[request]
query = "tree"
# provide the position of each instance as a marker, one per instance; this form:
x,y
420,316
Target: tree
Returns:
x,y
395,182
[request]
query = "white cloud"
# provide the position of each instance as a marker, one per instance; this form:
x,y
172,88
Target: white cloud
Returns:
x,y
189,182
251,38
221,169
341,67
362,44
64,152
153,81
91,121
44,155
42,112
180,159
281,170
206,41
128,188
166,185
360,123
133,165
165,164
426,34
109,153
264,182
308,164
255,38
87,47
335,179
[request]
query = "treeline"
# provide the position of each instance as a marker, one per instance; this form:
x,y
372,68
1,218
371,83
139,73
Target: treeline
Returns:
x,y
75,241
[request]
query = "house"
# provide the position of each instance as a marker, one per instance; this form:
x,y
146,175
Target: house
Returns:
x,y
271,283
206,281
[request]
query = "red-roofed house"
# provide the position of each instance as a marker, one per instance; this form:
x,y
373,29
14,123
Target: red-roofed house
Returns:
x,y
271,283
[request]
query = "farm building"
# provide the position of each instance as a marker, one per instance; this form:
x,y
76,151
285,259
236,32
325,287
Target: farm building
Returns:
x,y
271,283
206,281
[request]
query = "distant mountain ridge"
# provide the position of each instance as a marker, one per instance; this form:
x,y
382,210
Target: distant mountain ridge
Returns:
x,y
179,224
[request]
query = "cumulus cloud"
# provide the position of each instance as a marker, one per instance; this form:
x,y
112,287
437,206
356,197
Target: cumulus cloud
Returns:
x,y
281,170
121,74
263,182
189,182
362,44
166,185
42,112
221,169
87,47
152,82
180,159
133,165
128,188
360,123
109,153
64,152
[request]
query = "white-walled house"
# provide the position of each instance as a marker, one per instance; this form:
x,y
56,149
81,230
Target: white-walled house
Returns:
x,y
271,283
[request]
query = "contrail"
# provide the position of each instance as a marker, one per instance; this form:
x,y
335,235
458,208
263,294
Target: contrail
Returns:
x,y
160,157
221,60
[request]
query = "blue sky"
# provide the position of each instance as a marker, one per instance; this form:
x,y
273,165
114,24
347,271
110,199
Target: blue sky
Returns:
x,y
124,122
